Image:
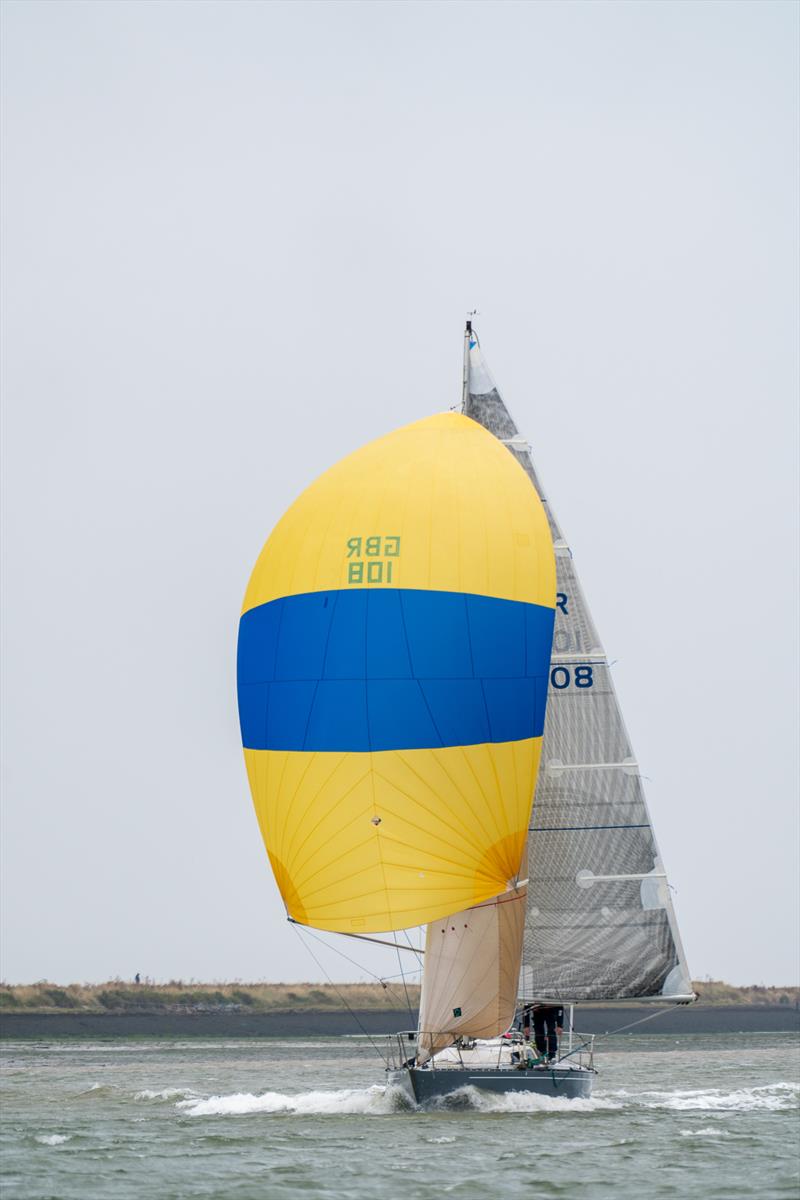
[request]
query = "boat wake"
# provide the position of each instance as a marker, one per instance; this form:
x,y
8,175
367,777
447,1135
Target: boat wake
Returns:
x,y
379,1101
473,1100
373,1101
771,1097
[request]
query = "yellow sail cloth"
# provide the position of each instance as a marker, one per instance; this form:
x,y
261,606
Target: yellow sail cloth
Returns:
x,y
393,660
461,507
469,986
453,824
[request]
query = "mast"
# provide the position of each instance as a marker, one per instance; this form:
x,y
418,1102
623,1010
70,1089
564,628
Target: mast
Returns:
x,y
465,374
473,957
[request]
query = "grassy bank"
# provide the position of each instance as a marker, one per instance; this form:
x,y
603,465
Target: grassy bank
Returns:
x,y
119,996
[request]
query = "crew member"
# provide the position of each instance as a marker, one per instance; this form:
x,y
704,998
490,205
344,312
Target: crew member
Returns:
x,y
548,1025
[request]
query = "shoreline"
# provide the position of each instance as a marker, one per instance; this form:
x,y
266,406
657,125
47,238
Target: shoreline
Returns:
x,y
698,1018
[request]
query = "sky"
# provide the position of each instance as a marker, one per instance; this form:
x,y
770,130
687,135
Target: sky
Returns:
x,y
239,241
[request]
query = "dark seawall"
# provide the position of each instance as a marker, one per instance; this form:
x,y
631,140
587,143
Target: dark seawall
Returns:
x,y
697,1018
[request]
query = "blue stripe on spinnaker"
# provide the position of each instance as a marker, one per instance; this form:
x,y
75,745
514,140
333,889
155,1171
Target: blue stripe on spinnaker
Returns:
x,y
391,669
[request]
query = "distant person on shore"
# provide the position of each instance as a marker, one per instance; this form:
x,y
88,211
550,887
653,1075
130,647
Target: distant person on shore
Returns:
x,y
137,978
548,1025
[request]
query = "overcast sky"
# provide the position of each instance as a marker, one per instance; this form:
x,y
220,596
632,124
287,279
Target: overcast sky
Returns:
x,y
240,240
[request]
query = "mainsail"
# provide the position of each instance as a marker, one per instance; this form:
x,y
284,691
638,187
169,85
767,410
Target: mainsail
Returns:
x,y
600,923
394,649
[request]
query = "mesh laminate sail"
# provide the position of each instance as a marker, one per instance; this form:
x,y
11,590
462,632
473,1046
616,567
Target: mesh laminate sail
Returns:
x,y
586,938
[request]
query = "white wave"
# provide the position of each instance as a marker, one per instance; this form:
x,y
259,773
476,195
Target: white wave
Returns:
x,y
165,1094
521,1102
380,1101
771,1097
440,1141
52,1139
372,1101
707,1132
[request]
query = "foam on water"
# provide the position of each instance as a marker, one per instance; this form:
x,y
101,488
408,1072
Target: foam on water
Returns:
x,y
381,1101
372,1101
378,1101
772,1097
519,1102
52,1139
708,1131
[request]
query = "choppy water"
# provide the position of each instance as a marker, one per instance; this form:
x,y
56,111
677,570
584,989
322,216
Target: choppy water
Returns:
x,y
278,1120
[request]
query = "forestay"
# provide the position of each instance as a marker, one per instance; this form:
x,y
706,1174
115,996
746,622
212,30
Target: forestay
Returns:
x,y
600,924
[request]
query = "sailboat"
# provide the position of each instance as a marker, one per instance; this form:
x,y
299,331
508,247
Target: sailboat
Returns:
x,y
432,738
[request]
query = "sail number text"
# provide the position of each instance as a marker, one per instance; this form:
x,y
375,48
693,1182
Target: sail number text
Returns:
x,y
370,559
580,675
564,677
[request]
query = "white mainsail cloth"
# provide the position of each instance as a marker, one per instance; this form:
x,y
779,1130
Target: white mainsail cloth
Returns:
x,y
600,923
469,984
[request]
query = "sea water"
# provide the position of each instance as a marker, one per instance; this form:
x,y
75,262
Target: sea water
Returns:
x,y
268,1119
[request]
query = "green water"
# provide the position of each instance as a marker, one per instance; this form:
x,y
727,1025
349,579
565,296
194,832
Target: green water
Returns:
x,y
262,1119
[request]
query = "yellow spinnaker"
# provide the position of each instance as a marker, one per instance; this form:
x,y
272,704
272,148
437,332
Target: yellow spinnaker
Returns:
x,y
394,650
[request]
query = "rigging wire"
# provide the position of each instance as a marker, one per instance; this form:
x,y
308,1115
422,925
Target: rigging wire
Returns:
x,y
336,950
405,989
381,979
363,937
385,978
610,1033
380,1053
416,950
641,1021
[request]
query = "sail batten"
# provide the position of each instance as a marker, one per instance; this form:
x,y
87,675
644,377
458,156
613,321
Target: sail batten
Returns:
x,y
600,923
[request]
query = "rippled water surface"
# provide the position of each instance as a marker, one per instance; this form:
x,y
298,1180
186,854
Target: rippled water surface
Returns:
x,y
264,1119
